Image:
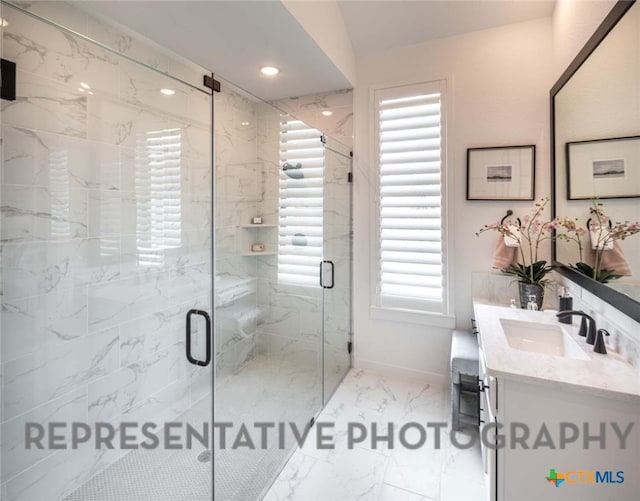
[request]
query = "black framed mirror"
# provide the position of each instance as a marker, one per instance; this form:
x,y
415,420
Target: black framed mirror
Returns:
x,y
595,152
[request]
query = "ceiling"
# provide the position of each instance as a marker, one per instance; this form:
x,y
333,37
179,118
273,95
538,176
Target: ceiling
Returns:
x,y
374,26
235,38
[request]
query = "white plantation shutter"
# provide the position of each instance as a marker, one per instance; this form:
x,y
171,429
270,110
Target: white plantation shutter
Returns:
x,y
300,214
159,209
410,143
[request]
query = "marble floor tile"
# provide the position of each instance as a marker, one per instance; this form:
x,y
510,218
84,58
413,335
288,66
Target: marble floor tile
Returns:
x,y
469,463
391,493
295,473
356,475
389,472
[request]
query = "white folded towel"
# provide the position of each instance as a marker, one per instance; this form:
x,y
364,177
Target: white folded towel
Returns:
x,y
513,239
600,238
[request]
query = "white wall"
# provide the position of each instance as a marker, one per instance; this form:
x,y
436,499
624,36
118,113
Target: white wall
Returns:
x,y
498,81
574,21
323,21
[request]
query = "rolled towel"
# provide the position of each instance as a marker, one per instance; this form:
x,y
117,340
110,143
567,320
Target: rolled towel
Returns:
x,y
614,260
502,254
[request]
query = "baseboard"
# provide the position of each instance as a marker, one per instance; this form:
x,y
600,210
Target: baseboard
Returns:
x,y
394,370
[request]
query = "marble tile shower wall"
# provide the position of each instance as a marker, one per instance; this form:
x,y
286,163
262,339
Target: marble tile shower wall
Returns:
x,y
74,17
256,313
290,324
105,233
338,125
238,192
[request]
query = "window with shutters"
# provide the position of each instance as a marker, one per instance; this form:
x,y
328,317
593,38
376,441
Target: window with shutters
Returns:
x,y
300,212
159,199
410,151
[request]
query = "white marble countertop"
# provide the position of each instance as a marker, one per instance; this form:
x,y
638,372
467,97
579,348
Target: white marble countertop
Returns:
x,y
603,375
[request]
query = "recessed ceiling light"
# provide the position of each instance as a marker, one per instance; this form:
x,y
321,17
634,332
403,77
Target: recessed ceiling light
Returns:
x,y
168,92
244,123
85,85
270,71
80,89
327,113
90,93
3,22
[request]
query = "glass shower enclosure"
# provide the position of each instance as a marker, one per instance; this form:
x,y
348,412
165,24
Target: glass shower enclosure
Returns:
x,y
282,280
170,257
106,238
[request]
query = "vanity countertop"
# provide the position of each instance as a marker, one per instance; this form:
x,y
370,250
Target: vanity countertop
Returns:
x,y
603,375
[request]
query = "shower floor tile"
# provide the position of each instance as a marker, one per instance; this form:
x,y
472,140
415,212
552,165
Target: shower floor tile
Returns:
x,y
265,389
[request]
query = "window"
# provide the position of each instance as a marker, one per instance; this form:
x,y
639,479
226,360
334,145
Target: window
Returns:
x,y
410,151
300,213
158,195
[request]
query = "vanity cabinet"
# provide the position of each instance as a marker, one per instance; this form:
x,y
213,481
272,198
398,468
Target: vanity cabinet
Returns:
x,y
546,425
545,414
488,414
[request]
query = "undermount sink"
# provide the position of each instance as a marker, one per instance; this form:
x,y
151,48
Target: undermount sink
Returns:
x,y
548,339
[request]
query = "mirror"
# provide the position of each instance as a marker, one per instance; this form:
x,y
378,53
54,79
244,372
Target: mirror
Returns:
x,y
596,153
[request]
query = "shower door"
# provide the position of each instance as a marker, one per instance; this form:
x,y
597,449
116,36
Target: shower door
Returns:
x,y
268,298
337,259
106,246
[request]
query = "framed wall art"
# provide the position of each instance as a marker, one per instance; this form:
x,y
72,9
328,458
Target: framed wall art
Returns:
x,y
501,173
603,168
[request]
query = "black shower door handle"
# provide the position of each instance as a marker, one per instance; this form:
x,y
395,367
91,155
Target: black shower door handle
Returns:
x,y
207,319
333,278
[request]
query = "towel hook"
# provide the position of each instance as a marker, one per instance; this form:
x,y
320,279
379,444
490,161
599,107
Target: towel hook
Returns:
x,y
510,213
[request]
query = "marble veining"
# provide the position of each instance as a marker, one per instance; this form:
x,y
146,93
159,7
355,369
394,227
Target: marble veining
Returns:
x,y
58,55
339,125
42,321
70,407
380,473
43,104
106,243
623,329
609,375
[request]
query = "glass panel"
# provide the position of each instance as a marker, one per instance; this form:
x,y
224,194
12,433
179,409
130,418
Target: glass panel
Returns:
x,y
337,249
106,244
268,300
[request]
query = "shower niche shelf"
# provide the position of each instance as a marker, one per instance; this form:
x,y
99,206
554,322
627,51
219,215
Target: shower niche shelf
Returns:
x,y
249,226
250,237
263,253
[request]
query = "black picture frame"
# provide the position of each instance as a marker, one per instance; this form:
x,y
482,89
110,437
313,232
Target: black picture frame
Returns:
x,y
616,163
621,302
500,173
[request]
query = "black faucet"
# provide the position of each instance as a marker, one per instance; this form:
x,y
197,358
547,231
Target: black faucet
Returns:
x,y
599,346
589,332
